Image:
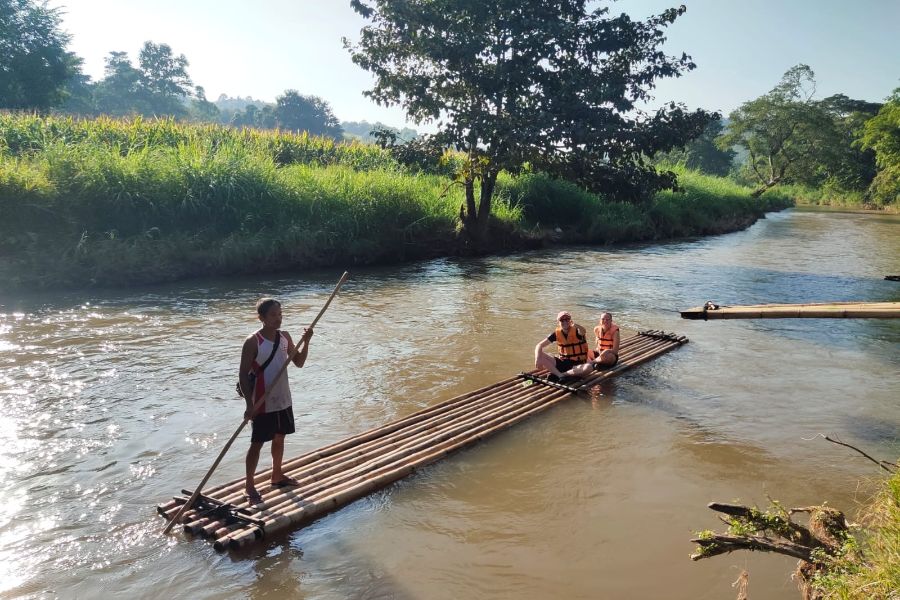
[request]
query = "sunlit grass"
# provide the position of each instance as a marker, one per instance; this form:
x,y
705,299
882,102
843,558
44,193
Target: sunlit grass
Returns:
x,y
120,202
875,573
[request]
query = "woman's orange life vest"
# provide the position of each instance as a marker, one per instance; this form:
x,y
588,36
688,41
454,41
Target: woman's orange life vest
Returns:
x,y
607,339
571,346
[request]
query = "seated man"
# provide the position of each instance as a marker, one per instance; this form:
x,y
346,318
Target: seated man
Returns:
x,y
571,343
607,353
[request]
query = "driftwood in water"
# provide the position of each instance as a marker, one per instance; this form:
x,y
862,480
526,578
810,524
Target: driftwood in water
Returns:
x,y
822,539
829,310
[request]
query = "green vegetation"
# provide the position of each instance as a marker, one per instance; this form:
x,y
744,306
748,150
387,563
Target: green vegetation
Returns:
x,y
881,134
118,202
872,573
837,561
553,86
35,67
837,150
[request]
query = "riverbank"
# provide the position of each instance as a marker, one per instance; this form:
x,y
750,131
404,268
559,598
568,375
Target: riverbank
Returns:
x,y
843,201
870,569
112,203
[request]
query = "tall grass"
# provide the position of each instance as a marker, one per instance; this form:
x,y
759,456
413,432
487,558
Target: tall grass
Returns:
x,y
705,205
30,134
873,572
117,202
825,196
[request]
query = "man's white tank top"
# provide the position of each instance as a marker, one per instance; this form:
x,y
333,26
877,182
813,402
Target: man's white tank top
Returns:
x,y
279,397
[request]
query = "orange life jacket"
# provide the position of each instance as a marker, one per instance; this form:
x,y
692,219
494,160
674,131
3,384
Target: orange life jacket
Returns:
x,y
607,339
571,346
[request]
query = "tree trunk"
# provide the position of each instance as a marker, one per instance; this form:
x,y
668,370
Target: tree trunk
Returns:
x,y
467,214
765,186
474,220
484,205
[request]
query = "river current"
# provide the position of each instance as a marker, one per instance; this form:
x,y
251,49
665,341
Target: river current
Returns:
x,y
115,401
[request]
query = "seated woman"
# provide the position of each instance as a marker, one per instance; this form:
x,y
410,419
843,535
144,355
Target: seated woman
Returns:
x,y
607,353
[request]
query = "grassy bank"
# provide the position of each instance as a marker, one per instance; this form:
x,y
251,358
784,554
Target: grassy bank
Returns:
x,y
873,572
841,199
110,203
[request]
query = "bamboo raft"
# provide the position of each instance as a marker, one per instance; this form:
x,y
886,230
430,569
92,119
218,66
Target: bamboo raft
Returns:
x,y
335,475
830,310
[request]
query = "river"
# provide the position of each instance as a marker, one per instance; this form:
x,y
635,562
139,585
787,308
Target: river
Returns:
x,y
115,401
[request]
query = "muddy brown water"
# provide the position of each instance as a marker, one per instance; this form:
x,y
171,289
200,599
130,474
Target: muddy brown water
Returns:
x,y
115,401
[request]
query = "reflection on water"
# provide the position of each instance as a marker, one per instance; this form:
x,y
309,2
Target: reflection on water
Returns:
x,y
116,401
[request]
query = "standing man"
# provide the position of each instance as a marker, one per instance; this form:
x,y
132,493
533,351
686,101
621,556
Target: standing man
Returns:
x,y
571,343
262,357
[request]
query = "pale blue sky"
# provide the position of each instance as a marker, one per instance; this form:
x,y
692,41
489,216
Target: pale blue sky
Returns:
x,y
262,48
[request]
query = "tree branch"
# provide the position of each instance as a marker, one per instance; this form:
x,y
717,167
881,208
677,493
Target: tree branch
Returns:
x,y
880,463
725,544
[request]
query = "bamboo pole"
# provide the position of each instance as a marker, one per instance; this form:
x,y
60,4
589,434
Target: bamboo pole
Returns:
x,y
830,310
256,406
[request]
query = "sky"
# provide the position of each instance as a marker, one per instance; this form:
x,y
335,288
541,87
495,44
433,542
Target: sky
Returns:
x,y
264,47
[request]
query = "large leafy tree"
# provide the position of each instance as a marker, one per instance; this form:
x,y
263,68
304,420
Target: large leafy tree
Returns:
x,y
306,113
118,93
782,132
164,82
546,82
882,135
845,165
159,85
34,64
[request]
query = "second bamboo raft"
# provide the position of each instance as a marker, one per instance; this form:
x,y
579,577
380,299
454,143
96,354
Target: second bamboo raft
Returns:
x,y
340,473
830,310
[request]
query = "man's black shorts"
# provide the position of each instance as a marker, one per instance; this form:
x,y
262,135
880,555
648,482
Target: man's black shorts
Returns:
x,y
564,364
266,425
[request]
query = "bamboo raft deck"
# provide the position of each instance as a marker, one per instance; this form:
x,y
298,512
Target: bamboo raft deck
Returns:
x,y
830,310
335,475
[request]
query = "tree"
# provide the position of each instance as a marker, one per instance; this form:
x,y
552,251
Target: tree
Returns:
x,y
201,108
843,164
702,153
782,131
118,93
882,135
159,85
34,63
545,83
164,82
306,113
